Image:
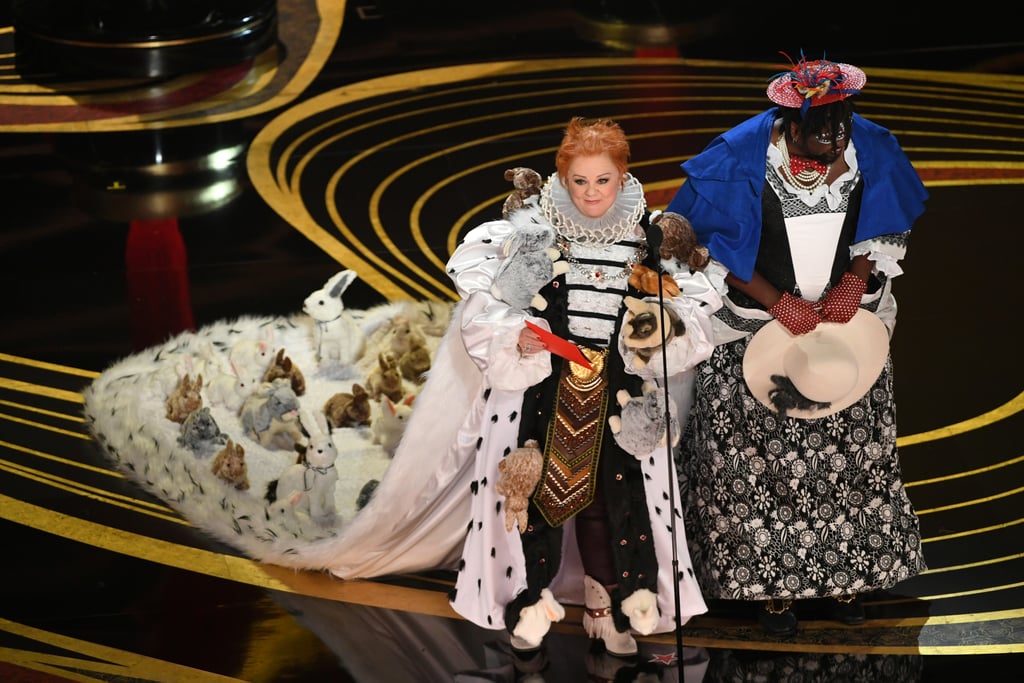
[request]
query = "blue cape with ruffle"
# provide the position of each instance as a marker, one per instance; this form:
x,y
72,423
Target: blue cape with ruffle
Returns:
x,y
722,193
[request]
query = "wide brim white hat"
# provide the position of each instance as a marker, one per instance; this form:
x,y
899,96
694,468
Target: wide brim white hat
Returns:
x,y
832,366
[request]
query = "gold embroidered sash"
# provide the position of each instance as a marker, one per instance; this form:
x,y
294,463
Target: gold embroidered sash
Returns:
x,y
574,440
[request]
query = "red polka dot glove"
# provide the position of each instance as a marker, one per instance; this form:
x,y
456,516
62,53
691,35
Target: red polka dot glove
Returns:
x,y
796,314
843,300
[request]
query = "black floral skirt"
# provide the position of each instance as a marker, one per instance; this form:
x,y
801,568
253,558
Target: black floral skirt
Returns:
x,y
792,508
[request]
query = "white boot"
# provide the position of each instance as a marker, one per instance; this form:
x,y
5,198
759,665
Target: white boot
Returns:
x,y
642,609
535,621
598,622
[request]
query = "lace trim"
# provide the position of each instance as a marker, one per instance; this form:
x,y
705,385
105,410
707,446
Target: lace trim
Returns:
x,y
618,223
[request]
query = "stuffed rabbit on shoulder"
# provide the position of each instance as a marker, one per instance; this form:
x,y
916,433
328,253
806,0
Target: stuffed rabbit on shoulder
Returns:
x,y
531,261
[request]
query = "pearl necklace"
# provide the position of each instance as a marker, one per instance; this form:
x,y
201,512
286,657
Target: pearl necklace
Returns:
x,y
807,179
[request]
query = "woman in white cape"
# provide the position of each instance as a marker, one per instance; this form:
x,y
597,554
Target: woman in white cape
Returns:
x,y
564,508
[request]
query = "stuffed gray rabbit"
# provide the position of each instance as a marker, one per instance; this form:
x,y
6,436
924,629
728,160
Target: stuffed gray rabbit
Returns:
x,y
531,261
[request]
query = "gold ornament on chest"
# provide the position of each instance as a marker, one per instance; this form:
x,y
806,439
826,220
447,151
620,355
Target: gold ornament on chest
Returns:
x,y
583,378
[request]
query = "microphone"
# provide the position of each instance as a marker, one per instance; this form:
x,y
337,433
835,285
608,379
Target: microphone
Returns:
x,y
655,236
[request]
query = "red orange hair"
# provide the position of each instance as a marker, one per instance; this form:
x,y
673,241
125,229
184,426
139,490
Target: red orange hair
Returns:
x,y
591,137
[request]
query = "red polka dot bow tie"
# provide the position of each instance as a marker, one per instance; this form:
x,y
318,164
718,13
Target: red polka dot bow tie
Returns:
x,y
800,164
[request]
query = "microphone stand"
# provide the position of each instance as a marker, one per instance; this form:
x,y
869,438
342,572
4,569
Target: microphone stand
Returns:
x,y
654,246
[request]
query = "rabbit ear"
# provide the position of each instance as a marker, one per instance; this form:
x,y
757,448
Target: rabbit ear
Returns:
x,y
308,422
340,282
321,421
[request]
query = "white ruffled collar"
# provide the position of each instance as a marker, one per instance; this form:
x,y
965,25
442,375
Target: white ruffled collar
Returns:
x,y
618,223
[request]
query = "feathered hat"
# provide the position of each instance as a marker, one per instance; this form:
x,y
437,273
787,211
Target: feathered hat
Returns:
x,y
811,84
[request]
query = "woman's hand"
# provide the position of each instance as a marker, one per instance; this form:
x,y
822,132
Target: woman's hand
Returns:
x,y
843,300
529,342
796,315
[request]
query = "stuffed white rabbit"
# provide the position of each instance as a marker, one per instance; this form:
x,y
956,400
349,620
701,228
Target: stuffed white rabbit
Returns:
x,y
389,425
337,337
308,484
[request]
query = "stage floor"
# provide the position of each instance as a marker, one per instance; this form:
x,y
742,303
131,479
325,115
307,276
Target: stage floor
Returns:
x,y
372,141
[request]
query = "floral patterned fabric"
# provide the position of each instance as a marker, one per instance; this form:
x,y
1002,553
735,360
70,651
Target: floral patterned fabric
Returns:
x,y
792,508
737,666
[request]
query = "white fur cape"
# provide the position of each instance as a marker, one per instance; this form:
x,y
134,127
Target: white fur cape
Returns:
x,y
415,519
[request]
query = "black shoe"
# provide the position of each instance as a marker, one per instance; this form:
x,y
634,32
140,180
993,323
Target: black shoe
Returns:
x,y
776,617
847,609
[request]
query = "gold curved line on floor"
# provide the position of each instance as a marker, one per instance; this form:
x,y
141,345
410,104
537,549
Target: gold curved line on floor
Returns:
x,y
972,502
973,532
962,594
1001,165
230,567
956,128
1011,407
975,565
43,365
1015,166
331,18
45,427
141,547
967,473
974,182
364,592
975,591
93,493
455,232
382,265
917,80
106,471
40,390
42,411
381,188
839,648
75,486
290,207
998,615
107,663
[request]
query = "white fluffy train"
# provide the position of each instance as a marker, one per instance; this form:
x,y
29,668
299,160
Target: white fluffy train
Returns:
x,y
305,483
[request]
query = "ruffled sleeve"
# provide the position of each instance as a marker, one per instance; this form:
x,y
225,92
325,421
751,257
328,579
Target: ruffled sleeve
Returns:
x,y
490,328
